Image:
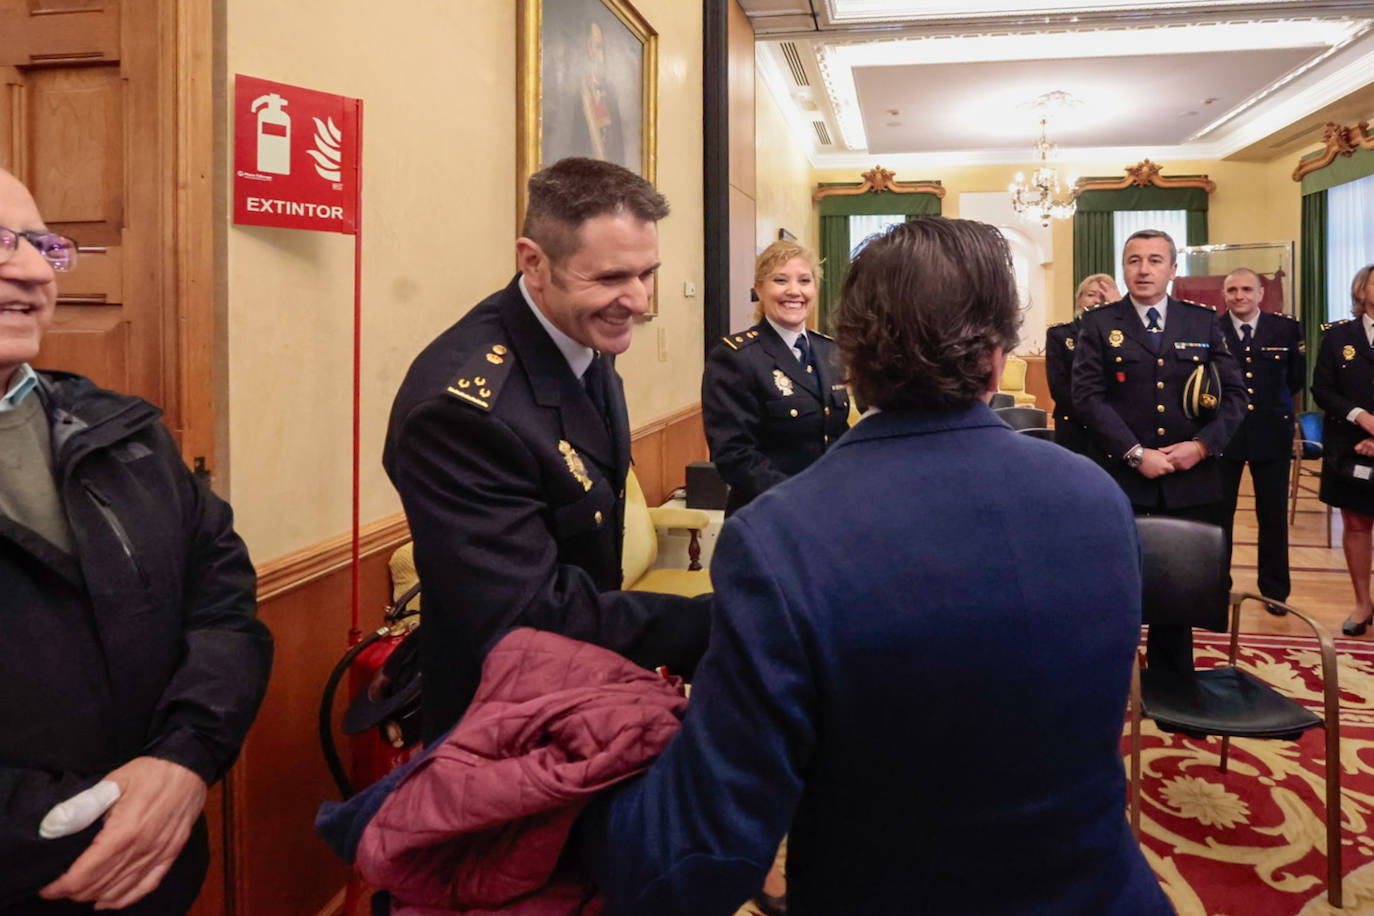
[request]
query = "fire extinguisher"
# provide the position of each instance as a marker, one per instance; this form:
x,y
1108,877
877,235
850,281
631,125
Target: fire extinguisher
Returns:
x,y
383,717
274,134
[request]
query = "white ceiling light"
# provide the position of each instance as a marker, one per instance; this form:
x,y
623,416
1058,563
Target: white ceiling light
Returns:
x,y
858,11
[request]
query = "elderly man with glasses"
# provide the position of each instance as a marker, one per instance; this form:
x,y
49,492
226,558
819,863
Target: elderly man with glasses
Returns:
x,y
131,663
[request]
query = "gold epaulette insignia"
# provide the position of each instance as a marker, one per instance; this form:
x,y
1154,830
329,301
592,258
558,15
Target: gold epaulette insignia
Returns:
x,y
479,382
741,340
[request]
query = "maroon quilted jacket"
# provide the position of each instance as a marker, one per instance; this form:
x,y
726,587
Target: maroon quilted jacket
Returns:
x,y
479,826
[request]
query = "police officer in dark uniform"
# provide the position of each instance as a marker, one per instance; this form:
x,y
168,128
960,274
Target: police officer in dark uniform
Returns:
x,y
773,397
1135,358
1060,343
509,445
1273,361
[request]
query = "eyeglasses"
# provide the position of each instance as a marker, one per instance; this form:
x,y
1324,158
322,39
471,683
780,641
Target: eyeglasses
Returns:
x,y
57,250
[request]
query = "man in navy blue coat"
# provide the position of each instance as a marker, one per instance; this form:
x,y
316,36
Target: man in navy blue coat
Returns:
x,y
891,626
1273,358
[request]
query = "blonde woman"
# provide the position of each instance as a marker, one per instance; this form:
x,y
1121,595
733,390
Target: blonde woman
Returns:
x,y
773,396
1060,340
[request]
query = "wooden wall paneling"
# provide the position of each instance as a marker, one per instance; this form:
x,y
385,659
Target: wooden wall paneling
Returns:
x,y
194,231
1038,383
684,441
646,447
663,448
280,864
211,901
743,227
740,51
53,31
96,338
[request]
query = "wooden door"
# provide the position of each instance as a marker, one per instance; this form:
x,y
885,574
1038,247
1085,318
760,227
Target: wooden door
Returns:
x,y
106,115
88,120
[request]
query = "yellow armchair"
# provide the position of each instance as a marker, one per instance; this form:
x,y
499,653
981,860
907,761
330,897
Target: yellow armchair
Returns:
x,y
1014,382
640,551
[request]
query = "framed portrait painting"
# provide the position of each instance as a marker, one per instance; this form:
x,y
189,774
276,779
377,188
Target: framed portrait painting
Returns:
x,y
586,84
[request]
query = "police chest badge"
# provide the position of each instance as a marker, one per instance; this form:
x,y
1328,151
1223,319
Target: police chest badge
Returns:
x,y
575,465
1068,343
1347,352
783,382
1115,338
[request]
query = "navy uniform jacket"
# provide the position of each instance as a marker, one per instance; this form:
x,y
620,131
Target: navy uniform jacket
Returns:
x,y
793,726
1126,394
1343,380
514,490
1061,342
766,417
1274,371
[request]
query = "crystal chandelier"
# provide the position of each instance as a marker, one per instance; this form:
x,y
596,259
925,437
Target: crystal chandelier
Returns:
x,y
1043,197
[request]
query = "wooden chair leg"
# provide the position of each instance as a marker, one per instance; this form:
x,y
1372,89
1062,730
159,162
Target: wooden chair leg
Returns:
x,y
1225,751
694,549
1293,489
1332,727
1135,750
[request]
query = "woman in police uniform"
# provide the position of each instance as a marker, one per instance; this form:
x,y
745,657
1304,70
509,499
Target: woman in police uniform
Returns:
x,y
1060,342
773,396
1343,386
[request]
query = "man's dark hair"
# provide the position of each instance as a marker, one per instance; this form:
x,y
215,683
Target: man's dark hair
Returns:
x,y
1153,234
922,309
566,194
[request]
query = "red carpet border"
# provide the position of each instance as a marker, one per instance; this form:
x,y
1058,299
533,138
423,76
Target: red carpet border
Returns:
x,y
1252,841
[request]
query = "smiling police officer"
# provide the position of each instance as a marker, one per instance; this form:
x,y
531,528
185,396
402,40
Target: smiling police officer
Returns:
x,y
509,443
1135,359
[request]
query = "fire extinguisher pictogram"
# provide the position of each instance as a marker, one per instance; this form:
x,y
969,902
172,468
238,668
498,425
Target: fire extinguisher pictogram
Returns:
x,y
274,134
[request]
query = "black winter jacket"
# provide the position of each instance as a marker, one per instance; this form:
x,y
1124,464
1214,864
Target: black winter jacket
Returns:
x,y
144,641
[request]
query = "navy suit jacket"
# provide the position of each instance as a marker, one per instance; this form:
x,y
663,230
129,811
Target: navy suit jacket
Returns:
x,y
891,627
1126,393
1274,368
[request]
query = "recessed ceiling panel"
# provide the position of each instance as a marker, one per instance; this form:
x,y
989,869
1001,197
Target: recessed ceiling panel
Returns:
x,y
1160,100
870,11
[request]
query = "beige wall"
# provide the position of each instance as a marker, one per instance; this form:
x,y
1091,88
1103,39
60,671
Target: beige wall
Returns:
x,y
783,182
1253,202
438,222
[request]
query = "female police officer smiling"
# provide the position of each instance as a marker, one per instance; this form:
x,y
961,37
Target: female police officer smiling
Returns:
x,y
773,396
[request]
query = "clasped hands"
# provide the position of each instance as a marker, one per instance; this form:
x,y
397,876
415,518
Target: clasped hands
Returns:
x,y
1180,456
143,833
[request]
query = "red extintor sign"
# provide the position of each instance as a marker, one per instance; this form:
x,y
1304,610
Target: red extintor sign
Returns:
x,y
295,157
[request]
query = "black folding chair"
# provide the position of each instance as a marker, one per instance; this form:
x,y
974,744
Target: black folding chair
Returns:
x,y
1185,584
1022,417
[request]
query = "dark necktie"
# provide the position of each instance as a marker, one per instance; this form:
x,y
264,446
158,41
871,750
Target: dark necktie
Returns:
x,y
594,380
1156,332
803,346
1245,336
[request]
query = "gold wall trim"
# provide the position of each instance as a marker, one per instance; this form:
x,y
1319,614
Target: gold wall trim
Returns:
x,y
1143,174
879,180
1340,141
285,574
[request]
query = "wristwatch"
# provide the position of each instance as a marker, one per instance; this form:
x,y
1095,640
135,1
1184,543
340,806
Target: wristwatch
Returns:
x,y
1134,456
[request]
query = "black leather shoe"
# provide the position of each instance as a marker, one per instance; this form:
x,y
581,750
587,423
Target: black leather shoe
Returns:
x,y
1350,628
1275,609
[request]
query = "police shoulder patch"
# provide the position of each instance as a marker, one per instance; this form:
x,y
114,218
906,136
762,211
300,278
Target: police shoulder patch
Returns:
x,y
1200,305
819,334
1331,324
479,381
740,340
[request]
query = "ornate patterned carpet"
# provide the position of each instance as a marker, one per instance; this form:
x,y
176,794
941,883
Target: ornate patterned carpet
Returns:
x,y
1252,841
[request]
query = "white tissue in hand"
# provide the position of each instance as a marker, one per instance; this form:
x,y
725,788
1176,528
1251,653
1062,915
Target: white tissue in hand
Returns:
x,y
79,812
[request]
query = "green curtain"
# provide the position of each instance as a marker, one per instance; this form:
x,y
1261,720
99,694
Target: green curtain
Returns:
x,y
1092,244
1093,248
835,213
834,260
1340,170
1312,290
